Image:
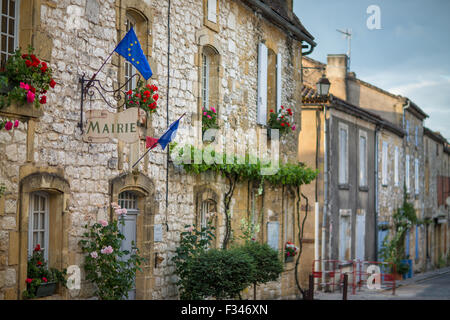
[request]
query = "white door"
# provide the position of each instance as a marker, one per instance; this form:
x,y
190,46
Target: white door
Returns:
x,y
129,201
360,234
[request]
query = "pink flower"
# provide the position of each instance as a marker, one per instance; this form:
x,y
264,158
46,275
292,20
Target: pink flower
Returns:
x,y
213,110
107,250
204,113
121,211
16,123
293,128
94,254
8,125
103,223
30,96
209,117
25,86
191,228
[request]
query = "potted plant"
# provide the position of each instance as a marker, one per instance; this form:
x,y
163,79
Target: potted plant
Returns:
x,y
283,120
209,121
41,280
290,250
24,82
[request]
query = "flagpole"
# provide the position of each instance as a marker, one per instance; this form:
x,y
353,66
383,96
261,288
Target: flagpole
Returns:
x,y
154,144
95,74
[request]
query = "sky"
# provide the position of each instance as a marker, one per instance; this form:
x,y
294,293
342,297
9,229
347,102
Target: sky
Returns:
x,y
409,55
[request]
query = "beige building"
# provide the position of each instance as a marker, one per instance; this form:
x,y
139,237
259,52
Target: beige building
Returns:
x,y
241,57
436,199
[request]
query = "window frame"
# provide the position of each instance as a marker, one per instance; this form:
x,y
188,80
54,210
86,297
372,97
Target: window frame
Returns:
x,y
127,65
206,63
396,166
363,176
343,128
31,228
416,176
384,163
15,35
407,173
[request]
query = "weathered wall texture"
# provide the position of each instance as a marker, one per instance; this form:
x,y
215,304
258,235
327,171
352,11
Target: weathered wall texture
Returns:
x,y
83,33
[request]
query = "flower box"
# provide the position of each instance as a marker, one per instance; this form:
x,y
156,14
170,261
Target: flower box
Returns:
x,y
289,259
46,289
15,110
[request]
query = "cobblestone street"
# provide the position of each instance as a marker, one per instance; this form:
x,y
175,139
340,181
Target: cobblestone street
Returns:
x,y
433,285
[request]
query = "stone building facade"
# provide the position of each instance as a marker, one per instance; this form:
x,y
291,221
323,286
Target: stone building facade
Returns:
x,y
436,194
216,50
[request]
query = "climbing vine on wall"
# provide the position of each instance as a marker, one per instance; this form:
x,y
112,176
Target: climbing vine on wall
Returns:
x,y
237,169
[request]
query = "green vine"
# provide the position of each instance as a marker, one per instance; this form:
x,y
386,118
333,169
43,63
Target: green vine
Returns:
x,y
241,169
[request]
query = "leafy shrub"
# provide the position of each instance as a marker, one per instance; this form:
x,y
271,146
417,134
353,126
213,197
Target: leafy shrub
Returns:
x,y
221,274
268,266
193,242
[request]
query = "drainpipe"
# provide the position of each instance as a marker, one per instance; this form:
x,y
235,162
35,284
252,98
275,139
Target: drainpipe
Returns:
x,y
377,129
325,194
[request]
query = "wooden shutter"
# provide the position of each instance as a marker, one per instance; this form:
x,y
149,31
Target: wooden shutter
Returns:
x,y
407,173
396,166
212,10
278,81
262,84
385,164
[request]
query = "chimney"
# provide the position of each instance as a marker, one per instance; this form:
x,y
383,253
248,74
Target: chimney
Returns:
x,y
337,74
290,8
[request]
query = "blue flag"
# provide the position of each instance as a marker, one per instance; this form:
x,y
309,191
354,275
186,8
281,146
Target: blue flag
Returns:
x,y
169,135
130,49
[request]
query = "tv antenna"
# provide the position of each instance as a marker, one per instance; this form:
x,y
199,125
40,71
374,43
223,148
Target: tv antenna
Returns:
x,y
347,35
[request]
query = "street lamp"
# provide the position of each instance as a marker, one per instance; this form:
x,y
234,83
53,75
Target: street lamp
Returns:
x,y
323,86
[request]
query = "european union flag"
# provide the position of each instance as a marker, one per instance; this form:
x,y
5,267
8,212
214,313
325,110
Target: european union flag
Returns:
x,y
130,49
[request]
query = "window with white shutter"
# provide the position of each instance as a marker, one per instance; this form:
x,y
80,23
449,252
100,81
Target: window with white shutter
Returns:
x,y
396,166
262,84
407,174
343,154
212,10
416,135
416,175
384,173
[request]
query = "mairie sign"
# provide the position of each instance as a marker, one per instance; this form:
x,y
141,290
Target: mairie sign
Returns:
x,y
103,125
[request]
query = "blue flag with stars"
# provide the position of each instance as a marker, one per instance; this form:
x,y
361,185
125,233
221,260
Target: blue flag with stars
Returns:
x,y
130,49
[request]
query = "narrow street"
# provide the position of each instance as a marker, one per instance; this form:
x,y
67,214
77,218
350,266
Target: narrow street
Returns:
x,y
429,286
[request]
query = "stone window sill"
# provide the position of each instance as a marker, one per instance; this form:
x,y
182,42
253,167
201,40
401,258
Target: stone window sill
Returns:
x,y
364,188
344,186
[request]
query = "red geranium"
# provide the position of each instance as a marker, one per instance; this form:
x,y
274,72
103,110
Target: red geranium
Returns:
x,y
43,100
38,247
39,263
29,280
52,83
45,279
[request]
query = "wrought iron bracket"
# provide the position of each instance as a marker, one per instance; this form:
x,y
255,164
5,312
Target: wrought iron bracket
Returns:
x,y
90,86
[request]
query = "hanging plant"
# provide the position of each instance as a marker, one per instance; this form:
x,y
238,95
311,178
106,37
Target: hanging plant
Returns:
x,y
25,79
282,120
143,96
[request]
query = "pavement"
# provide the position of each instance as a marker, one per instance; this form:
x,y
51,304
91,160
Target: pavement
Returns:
x,y
432,285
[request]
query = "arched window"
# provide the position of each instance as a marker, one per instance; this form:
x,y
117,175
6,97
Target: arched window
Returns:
x,y
9,30
129,69
207,212
209,78
39,223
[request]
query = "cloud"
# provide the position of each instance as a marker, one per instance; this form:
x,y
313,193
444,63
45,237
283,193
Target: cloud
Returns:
x,y
428,88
